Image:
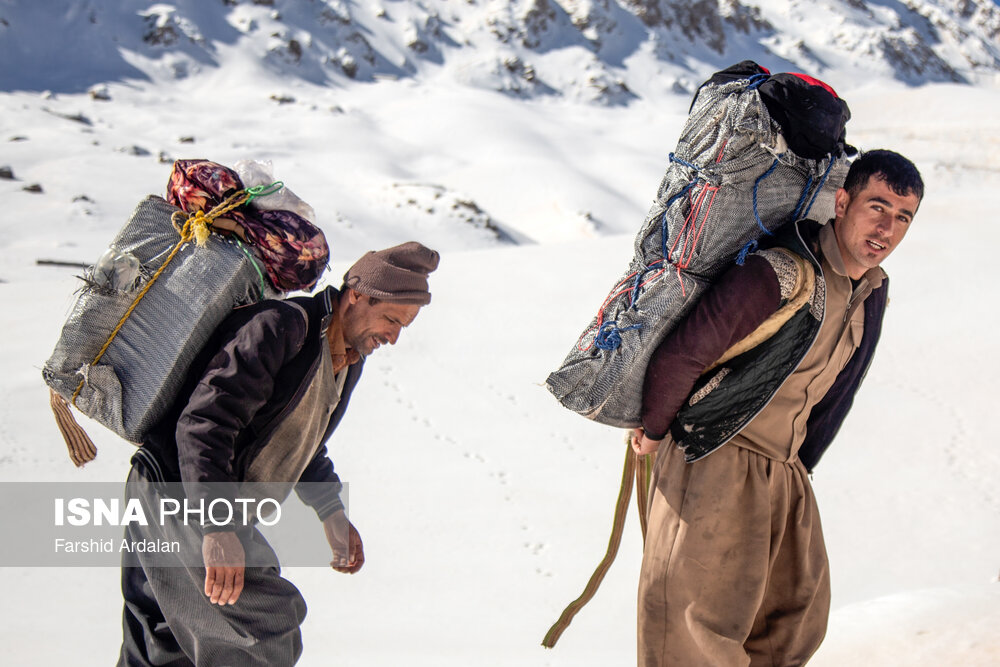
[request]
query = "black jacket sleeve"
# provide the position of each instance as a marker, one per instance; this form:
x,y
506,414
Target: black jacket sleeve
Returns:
x,y
238,381
319,486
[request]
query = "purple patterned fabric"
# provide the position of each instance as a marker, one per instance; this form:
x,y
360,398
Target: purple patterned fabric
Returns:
x,y
293,251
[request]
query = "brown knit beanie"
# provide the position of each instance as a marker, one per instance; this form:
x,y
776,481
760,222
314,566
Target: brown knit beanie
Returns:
x,y
397,274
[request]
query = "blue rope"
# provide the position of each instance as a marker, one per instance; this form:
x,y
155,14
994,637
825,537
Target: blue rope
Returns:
x,y
635,287
750,247
690,165
609,337
819,188
756,183
802,199
664,233
754,82
638,282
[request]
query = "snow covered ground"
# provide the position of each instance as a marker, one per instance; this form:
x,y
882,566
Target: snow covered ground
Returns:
x,y
484,506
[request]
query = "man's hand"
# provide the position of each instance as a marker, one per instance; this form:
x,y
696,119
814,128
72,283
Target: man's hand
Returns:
x,y
224,561
348,552
642,445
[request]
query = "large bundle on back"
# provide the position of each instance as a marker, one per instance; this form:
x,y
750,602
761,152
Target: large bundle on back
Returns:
x,y
756,152
170,276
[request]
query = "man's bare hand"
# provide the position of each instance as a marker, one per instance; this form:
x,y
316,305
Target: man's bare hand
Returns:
x,y
642,445
345,542
224,561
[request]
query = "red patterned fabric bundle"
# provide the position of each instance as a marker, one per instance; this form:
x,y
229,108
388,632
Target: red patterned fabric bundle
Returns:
x,y
293,250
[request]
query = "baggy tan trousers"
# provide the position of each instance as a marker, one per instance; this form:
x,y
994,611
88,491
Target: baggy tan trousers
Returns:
x,y
735,570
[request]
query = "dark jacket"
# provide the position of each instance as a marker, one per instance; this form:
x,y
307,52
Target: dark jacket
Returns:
x,y
729,397
250,375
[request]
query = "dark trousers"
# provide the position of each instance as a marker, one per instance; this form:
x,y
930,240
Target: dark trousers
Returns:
x,y
168,619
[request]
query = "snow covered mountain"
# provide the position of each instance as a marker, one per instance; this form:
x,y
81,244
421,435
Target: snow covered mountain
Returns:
x,y
602,51
524,140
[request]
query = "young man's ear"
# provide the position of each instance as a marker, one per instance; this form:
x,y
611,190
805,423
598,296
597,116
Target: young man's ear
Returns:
x,y
353,296
841,200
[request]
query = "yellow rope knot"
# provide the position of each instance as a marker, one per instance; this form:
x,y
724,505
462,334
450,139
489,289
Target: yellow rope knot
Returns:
x,y
197,227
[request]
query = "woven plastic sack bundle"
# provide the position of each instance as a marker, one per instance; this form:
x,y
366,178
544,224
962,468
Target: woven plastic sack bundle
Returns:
x,y
153,338
735,176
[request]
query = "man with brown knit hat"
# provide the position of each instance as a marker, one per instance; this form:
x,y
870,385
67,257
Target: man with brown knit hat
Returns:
x,y
262,399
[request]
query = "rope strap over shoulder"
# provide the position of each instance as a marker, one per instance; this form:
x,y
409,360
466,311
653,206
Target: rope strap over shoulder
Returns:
x,y
637,471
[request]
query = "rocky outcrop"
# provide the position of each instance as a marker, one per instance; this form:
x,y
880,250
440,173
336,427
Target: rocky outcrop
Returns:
x,y
575,48
700,21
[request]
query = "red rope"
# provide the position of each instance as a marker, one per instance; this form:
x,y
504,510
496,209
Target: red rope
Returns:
x,y
691,243
687,262
691,233
614,295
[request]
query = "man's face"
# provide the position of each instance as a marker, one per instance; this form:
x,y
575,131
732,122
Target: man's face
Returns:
x,y
871,224
367,326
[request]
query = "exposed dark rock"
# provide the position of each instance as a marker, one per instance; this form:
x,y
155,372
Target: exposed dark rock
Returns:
x,y
515,65
34,188
335,15
157,34
6,173
700,20
76,118
743,18
526,24
99,93
914,60
349,65
537,19
609,90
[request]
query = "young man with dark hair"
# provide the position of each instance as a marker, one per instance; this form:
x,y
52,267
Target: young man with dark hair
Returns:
x,y
263,398
745,395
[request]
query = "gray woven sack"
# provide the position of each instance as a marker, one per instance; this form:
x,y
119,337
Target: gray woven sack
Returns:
x,y
730,181
144,368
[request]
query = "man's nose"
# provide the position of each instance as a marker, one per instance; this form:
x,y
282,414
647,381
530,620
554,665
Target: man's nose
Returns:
x,y
393,336
884,223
